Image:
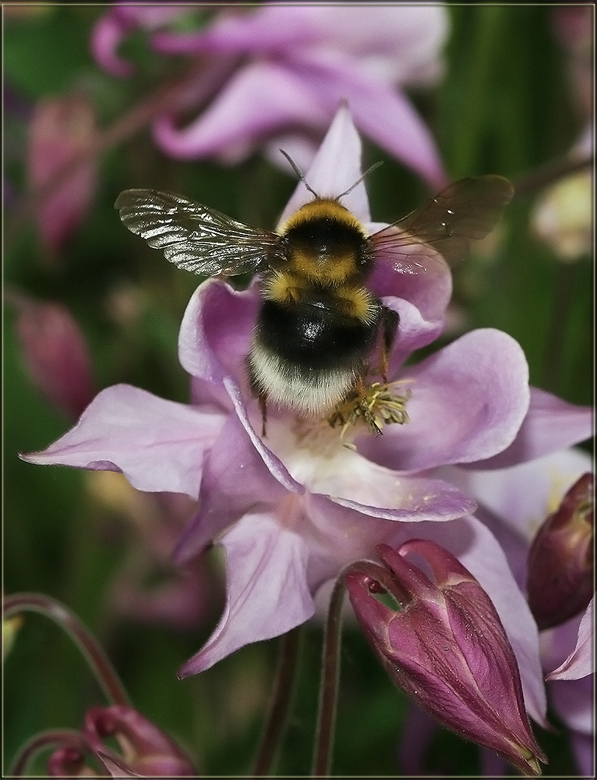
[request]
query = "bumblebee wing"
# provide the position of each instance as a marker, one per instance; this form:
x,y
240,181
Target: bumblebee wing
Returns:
x,y
441,230
195,237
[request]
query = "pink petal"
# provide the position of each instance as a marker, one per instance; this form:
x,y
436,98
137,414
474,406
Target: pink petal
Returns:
x,y
235,480
468,402
550,425
581,661
158,445
258,100
522,496
335,168
573,700
267,592
215,332
380,112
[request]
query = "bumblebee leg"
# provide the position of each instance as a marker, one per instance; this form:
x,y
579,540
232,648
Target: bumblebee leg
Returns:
x,y
389,324
263,407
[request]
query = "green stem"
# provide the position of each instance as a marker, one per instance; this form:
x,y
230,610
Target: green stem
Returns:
x,y
284,684
56,738
83,638
330,675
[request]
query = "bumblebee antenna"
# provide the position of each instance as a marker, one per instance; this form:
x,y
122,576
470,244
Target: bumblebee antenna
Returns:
x,y
360,179
299,173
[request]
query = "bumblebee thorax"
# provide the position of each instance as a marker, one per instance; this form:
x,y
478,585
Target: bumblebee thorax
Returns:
x,y
325,242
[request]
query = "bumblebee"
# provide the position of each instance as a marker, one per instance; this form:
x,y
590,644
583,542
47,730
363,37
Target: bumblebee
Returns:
x,y
318,324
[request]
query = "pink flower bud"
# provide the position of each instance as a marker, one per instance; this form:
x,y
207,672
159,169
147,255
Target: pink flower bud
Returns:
x,y
55,354
560,561
62,132
446,648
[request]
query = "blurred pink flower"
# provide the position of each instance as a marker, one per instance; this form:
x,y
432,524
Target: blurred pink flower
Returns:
x,y
55,353
292,509
274,75
143,749
147,587
62,129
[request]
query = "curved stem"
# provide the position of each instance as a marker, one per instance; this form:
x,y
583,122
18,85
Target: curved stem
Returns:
x,y
46,739
280,705
83,638
534,181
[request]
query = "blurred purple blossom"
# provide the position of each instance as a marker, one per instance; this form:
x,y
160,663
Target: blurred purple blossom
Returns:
x,y
54,352
444,645
144,750
147,587
274,75
291,510
62,130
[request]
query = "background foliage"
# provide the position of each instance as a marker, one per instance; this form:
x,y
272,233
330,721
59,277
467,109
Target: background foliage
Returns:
x,y
505,106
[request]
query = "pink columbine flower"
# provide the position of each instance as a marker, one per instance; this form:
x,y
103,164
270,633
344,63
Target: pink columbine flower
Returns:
x,y
273,76
445,646
294,508
145,751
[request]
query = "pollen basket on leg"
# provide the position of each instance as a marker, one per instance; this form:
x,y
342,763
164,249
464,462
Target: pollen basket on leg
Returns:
x,y
376,405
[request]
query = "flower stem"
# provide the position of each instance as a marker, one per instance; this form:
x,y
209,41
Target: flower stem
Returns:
x,y
550,173
43,741
330,670
83,638
275,725
330,675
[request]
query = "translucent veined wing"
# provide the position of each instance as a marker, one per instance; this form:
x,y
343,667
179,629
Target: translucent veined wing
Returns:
x,y
195,237
440,231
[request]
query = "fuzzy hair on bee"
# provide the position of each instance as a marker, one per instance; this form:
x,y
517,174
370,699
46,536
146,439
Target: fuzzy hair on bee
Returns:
x,y
318,323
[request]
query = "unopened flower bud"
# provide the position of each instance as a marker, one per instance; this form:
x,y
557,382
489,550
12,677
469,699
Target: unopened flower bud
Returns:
x,y
445,646
560,561
146,751
55,354
62,132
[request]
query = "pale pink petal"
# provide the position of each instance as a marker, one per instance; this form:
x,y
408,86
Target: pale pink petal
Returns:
x,y
215,333
267,592
393,42
335,169
230,487
522,496
468,401
257,101
574,703
550,425
381,112
158,445
581,661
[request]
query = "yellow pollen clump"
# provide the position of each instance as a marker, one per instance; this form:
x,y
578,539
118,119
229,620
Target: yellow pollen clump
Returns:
x,y
375,405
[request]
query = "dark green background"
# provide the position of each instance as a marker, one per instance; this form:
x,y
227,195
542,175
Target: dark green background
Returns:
x,y
504,107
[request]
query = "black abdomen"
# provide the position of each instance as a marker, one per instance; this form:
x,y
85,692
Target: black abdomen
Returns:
x,y
314,336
